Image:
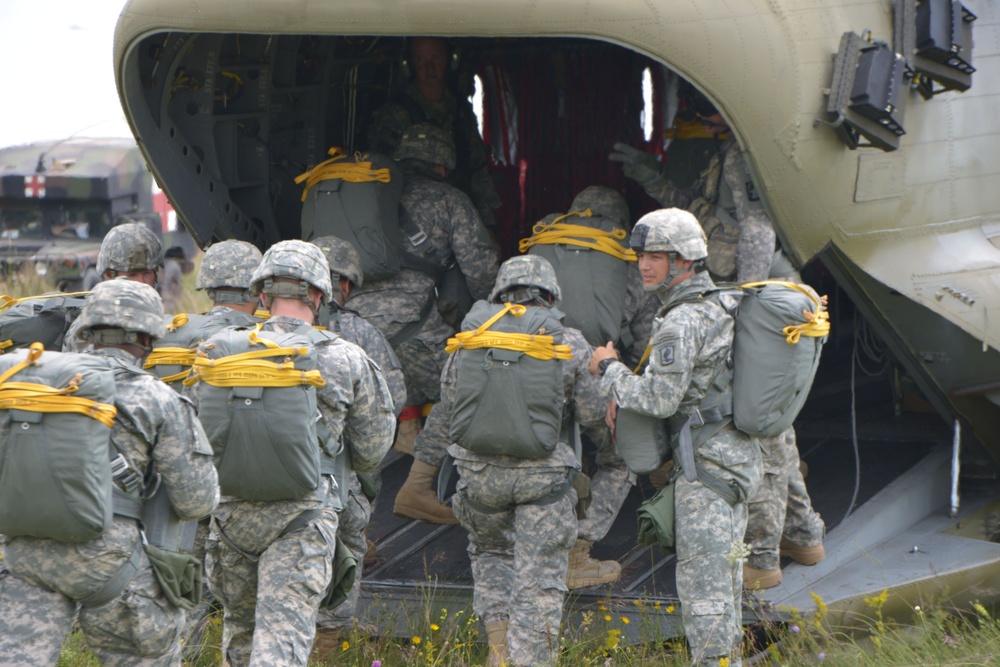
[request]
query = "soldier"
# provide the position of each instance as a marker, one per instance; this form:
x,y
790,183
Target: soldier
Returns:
x,y
345,275
125,615
691,341
269,562
446,230
519,511
427,100
128,251
171,287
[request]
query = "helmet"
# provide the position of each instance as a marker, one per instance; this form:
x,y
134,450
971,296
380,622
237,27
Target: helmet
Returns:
x,y
527,271
130,247
605,202
427,143
670,230
344,260
293,259
228,264
122,304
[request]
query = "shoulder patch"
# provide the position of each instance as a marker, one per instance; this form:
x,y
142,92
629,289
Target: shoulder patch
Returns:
x,y
666,353
752,192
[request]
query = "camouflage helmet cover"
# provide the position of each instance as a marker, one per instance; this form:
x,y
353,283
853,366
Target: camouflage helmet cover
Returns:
x,y
130,247
527,271
670,230
228,264
427,143
344,260
294,259
123,304
605,202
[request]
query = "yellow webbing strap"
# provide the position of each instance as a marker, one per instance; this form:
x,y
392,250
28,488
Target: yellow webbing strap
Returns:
x,y
180,319
692,129
250,369
172,356
41,398
817,322
9,301
5,344
578,235
538,346
338,167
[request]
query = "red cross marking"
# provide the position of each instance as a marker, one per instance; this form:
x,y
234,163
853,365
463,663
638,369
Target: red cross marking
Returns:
x,y
34,186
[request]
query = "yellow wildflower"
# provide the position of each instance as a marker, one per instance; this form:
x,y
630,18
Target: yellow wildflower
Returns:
x,y
625,620
416,640
723,662
435,627
670,609
345,646
877,601
607,617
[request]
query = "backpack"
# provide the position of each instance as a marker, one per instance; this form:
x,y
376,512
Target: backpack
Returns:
x,y
44,319
356,199
509,395
173,355
55,445
257,403
591,265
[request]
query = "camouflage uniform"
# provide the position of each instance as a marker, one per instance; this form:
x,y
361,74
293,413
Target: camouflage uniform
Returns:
x,y
38,596
520,553
691,341
171,286
271,583
471,173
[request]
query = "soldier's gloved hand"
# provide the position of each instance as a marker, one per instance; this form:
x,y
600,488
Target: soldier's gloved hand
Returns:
x,y
637,164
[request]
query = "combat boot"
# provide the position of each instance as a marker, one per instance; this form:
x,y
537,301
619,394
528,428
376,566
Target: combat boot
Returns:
x,y
417,500
496,633
586,571
801,554
406,434
755,580
325,644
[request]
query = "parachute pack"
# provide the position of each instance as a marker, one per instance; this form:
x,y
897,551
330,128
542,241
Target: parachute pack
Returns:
x,y
56,457
356,199
592,267
509,398
257,402
780,329
44,319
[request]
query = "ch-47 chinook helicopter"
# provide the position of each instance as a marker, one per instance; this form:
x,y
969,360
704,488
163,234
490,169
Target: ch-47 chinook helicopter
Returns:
x,y
871,133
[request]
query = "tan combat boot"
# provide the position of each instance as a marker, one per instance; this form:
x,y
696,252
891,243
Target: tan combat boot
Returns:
x,y
801,554
496,633
406,435
586,571
326,644
417,500
756,580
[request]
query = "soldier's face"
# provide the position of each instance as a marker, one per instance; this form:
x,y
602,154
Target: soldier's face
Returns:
x,y
147,276
430,60
654,267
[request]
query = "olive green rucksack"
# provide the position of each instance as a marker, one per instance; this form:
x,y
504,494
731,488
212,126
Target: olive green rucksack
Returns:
x,y
43,319
261,419
507,401
55,446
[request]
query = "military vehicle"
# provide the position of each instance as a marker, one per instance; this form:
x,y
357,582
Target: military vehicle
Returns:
x,y
872,137
59,198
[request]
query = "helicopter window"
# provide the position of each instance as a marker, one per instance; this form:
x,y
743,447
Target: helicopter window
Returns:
x,y
646,117
477,101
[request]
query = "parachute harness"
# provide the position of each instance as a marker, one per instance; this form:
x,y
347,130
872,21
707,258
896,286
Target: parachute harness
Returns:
x,y
34,397
537,346
577,235
817,324
251,369
7,302
337,167
173,356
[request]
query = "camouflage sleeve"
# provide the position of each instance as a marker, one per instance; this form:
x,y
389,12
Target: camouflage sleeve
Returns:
x,y
387,128
182,453
373,342
659,390
436,434
669,195
355,402
756,245
582,388
640,327
472,246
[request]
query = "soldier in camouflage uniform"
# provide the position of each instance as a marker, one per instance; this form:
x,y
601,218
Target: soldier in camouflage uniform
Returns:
x,y
345,275
270,581
129,251
520,512
403,307
428,100
47,580
691,341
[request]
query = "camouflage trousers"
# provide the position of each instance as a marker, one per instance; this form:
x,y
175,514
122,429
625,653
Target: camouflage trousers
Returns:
x,y
709,538
609,485
781,506
520,535
139,627
270,585
351,530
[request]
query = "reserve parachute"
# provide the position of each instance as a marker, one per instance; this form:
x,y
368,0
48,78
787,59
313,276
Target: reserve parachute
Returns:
x,y
43,319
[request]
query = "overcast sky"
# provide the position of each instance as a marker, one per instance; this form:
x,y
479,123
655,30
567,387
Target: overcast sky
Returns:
x,y
56,70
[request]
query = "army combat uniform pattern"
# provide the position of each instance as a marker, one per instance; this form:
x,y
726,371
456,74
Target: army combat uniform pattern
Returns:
x,y
37,607
270,584
690,344
519,555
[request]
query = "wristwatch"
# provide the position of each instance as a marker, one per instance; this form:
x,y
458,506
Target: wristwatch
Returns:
x,y
602,366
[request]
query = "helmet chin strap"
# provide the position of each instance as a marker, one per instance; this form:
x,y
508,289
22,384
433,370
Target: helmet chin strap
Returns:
x,y
672,273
